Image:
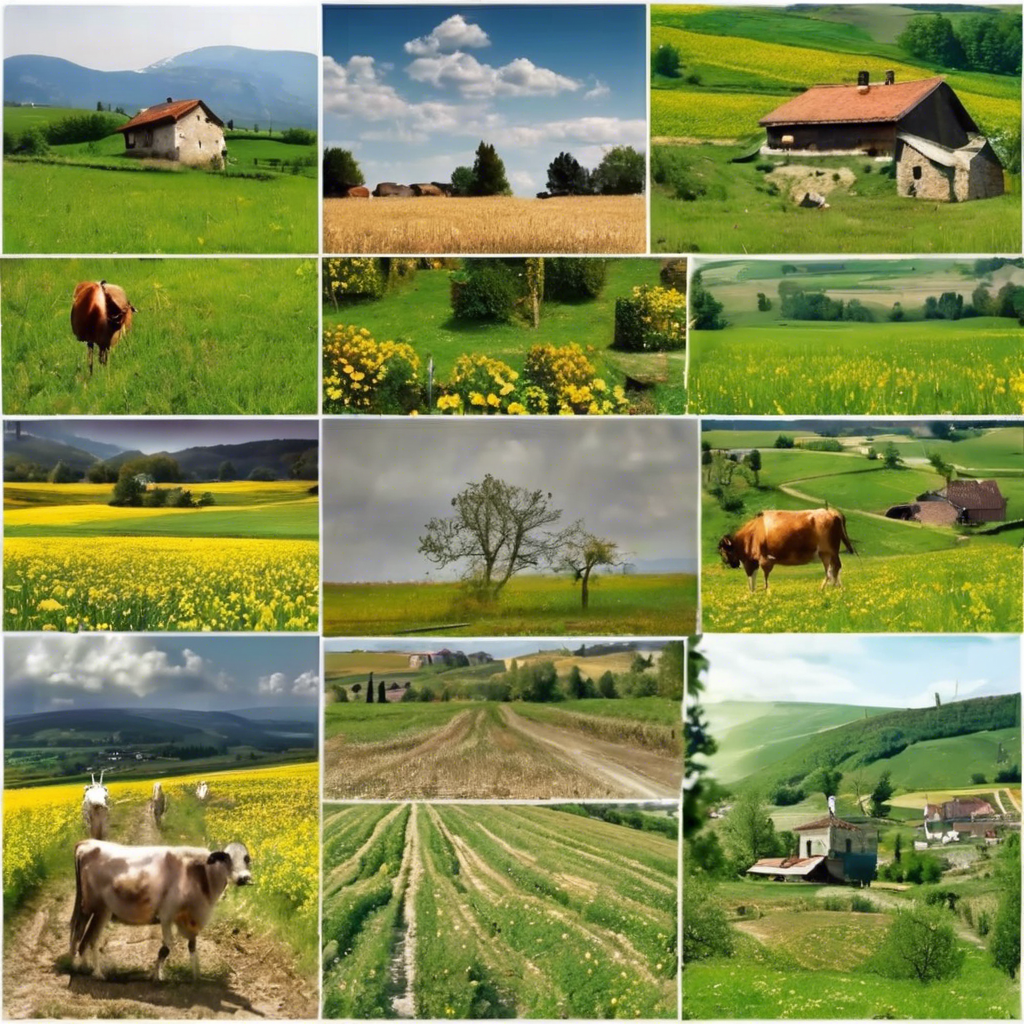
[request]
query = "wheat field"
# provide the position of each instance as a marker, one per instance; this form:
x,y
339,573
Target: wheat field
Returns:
x,y
492,224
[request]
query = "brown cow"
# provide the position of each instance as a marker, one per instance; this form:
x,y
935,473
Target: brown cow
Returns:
x,y
358,192
788,538
100,315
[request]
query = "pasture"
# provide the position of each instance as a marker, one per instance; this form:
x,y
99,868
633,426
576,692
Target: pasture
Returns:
x,y
440,911
73,208
905,577
493,224
459,749
273,810
210,337
735,70
419,312
234,565
638,605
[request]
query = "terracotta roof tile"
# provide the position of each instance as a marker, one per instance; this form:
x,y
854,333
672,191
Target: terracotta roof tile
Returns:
x,y
825,822
974,493
173,111
832,104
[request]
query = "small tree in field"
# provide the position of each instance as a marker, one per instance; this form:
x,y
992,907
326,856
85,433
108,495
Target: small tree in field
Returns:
x,y
606,686
882,791
891,457
62,473
921,944
566,174
227,471
489,173
382,696
666,60
753,460
1004,947
582,553
462,181
621,172
341,171
369,690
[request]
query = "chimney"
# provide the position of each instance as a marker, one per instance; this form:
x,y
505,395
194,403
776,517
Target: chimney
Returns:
x,y
169,100
890,78
863,82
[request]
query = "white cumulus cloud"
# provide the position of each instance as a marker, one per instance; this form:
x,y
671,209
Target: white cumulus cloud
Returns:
x,y
454,33
462,71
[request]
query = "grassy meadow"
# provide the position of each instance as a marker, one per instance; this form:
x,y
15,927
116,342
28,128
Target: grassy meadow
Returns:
x,y
493,224
453,912
638,605
250,561
742,73
905,577
210,337
419,312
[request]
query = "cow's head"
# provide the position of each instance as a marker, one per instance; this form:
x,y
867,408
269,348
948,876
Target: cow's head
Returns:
x,y
236,858
727,549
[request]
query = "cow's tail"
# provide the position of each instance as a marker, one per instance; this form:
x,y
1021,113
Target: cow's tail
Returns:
x,y
845,535
79,921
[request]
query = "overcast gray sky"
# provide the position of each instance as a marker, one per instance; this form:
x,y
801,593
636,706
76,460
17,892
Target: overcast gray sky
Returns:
x,y
129,38
871,671
49,673
633,481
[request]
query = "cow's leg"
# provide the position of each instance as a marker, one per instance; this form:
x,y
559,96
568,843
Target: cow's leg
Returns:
x,y
90,358
195,958
766,568
165,950
752,578
90,944
837,568
827,566
104,352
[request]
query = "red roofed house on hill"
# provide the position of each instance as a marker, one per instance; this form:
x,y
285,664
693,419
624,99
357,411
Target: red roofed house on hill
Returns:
x,y
939,151
187,131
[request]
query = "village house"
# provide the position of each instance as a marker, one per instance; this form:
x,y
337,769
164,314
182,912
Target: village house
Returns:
x,y
187,131
829,850
960,501
939,151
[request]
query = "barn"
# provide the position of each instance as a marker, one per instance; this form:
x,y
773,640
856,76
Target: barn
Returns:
x,y
961,501
939,151
187,131
829,850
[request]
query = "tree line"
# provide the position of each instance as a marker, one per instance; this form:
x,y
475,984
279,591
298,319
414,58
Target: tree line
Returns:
x,y
984,42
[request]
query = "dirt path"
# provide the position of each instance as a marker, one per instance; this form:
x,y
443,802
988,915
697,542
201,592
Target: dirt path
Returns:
x,y
245,973
630,771
1013,800
341,873
403,1005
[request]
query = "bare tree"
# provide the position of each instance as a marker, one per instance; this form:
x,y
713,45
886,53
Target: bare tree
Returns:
x,y
498,529
582,552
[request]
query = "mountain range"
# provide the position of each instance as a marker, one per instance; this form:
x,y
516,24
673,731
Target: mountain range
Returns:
x,y
265,87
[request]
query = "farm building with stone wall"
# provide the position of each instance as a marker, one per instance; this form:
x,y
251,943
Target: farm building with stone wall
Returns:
x,y
829,850
939,151
185,131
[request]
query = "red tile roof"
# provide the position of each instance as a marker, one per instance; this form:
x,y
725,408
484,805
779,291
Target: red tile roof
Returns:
x,y
174,111
832,104
825,823
975,493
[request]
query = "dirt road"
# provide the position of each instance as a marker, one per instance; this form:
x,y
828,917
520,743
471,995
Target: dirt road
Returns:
x,y
245,972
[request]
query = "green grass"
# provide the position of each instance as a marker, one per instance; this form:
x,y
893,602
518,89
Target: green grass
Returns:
x,y
212,336
67,209
18,120
962,367
657,710
360,722
736,215
420,314
650,605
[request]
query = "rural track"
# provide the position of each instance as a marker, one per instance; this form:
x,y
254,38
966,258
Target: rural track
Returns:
x,y
789,489
245,974
406,887
627,770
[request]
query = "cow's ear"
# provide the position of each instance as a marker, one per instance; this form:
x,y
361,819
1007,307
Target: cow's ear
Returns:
x,y
218,855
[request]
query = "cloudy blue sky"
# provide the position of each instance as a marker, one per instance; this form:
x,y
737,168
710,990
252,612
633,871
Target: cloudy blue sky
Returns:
x,y
413,90
871,671
48,673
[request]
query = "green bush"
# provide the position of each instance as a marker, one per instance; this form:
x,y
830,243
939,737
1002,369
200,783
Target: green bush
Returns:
x,y
573,278
488,292
629,325
81,128
353,277
919,944
706,932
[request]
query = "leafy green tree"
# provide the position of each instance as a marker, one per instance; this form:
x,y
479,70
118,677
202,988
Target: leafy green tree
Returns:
x,y
1004,946
784,441
227,471
576,684
341,171
699,743
753,460
706,931
62,473
749,830
462,181
897,848
671,670
621,172
606,686
340,695
127,491
882,791
705,309
567,175
830,779
941,467
921,944
666,60
891,457
489,173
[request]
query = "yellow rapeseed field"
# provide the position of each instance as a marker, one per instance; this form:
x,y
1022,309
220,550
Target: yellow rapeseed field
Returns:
x,y
160,583
508,224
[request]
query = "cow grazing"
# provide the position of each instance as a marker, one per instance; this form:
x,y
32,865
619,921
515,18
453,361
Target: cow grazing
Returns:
x,y
358,192
788,538
386,189
100,315
202,791
158,803
145,885
95,810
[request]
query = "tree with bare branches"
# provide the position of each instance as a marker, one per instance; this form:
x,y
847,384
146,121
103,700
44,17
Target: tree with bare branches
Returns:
x,y
582,552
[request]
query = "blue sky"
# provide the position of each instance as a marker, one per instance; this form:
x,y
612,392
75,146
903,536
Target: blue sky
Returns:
x,y
49,673
873,671
413,90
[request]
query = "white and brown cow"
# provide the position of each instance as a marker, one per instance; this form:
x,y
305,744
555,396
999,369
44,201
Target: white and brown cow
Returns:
x,y
95,809
785,537
158,804
173,886
202,791
100,315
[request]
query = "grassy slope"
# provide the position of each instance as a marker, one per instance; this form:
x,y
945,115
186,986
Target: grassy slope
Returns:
x,y
658,710
654,605
360,722
420,314
215,336
184,212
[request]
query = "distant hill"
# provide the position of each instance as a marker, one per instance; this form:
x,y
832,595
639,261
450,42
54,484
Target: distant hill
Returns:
x,y
44,452
240,84
55,431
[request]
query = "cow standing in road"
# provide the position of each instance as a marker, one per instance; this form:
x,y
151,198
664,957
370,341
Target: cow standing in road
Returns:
x,y
788,538
95,809
158,803
143,885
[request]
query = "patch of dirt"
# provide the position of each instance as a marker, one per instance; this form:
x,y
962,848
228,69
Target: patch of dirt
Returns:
x,y
403,1004
802,178
690,140
244,974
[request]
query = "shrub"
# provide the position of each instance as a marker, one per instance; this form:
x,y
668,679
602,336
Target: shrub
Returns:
x,y
653,320
81,128
156,497
572,278
666,60
341,171
486,291
363,375
621,172
566,379
205,499
919,944
706,932
33,143
481,384
353,277
300,137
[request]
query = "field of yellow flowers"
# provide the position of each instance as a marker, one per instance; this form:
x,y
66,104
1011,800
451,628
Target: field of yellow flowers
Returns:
x,y
971,589
513,911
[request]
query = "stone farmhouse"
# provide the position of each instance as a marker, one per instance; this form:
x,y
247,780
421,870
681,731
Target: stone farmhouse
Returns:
x,y
187,131
829,850
960,501
939,151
